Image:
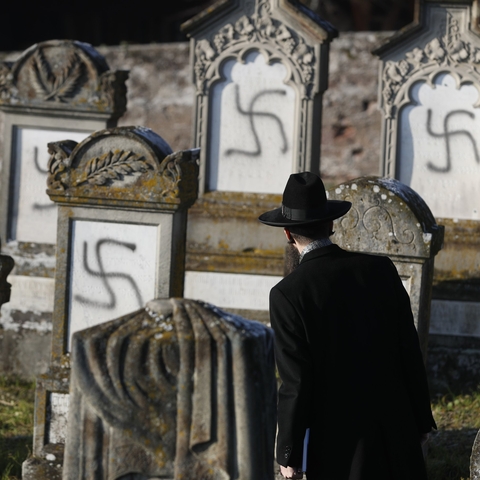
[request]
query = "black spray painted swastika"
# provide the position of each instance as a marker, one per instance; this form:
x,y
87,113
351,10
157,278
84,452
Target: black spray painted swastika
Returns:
x,y
447,135
251,117
105,276
43,171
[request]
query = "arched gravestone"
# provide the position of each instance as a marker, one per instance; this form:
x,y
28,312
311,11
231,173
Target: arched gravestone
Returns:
x,y
475,459
55,89
123,197
389,218
178,390
260,68
429,93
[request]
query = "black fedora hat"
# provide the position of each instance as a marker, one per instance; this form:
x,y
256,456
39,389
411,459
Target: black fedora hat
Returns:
x,y
304,202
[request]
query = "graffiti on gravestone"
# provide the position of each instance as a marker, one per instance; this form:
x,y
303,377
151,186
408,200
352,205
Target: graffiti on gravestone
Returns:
x,y
439,154
258,138
33,216
112,271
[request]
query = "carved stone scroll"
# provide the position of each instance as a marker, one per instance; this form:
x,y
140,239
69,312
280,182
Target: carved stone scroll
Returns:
x,y
386,218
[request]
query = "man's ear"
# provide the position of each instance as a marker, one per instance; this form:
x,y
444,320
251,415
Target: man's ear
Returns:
x,y
330,229
290,239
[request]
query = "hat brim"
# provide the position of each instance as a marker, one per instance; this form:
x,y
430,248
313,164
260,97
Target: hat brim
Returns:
x,y
333,209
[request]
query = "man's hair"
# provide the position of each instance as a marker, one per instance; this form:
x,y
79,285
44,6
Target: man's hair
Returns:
x,y
308,233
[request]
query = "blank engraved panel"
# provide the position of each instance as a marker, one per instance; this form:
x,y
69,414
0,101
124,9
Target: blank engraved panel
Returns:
x,y
252,126
33,217
439,147
57,414
113,268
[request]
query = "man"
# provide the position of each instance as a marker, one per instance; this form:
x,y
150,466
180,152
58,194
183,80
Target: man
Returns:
x,y
347,352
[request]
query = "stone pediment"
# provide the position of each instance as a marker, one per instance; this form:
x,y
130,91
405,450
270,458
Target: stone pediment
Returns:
x,y
62,75
125,166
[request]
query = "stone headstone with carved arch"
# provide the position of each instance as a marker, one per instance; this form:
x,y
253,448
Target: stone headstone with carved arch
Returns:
x,y
430,98
429,94
123,197
55,89
259,68
389,218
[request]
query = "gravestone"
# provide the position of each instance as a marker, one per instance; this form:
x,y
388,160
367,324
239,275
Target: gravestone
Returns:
x,y
475,459
178,390
388,218
6,266
122,197
259,68
55,89
430,99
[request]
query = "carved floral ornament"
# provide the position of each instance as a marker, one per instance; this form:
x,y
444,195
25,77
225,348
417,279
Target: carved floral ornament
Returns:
x,y
450,53
263,32
103,170
61,72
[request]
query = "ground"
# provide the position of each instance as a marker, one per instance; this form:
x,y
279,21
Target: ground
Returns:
x,y
457,417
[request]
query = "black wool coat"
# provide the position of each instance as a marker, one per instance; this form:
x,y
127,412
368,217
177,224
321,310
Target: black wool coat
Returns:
x,y
351,368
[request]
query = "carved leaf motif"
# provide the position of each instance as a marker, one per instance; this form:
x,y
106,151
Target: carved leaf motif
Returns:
x,y
113,166
40,74
55,86
67,81
415,56
435,51
458,50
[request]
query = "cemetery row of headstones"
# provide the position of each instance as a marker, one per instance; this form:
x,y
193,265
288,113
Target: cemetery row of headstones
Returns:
x,y
122,195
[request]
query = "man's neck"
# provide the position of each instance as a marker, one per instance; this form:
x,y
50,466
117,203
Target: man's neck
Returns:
x,y
320,243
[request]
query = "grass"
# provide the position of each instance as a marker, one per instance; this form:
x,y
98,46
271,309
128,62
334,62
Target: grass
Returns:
x,y
458,421
16,425
457,417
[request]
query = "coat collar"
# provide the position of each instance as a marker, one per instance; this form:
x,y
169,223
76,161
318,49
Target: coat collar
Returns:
x,y
320,252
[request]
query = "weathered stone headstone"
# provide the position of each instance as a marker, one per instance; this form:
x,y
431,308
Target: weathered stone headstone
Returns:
x,y
430,99
178,390
260,68
389,218
123,197
475,459
55,89
6,266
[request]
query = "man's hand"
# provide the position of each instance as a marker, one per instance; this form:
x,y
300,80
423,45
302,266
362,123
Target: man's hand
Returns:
x,y
290,472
